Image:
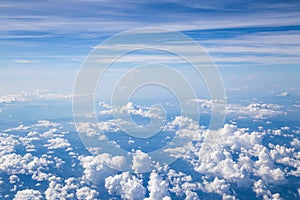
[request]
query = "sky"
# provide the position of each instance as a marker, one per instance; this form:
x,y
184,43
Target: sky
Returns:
x,y
244,147
253,43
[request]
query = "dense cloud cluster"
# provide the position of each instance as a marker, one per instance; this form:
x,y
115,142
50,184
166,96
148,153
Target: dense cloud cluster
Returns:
x,y
42,161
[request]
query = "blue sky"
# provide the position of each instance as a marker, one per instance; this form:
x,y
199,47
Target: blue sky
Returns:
x,y
43,43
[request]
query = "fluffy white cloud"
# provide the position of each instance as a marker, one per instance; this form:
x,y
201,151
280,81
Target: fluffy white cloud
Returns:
x,y
57,143
189,195
17,164
96,167
7,143
86,193
253,110
46,123
185,127
28,194
223,157
182,184
21,127
265,167
141,162
218,186
261,190
92,129
295,143
286,156
157,187
143,111
227,155
59,189
13,179
125,185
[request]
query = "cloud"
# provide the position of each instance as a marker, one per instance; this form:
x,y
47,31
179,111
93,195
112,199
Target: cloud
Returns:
x,y
17,164
243,37
28,194
125,185
32,96
141,162
46,123
257,48
132,109
13,179
96,167
133,14
261,191
157,187
92,129
189,195
57,143
287,157
217,186
215,158
86,193
256,110
252,110
182,184
62,189
238,158
296,143
11,98
7,143
26,61
21,127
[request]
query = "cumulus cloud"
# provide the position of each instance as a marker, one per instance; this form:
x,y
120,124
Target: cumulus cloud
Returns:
x,y
17,164
57,143
125,185
96,167
61,189
86,193
252,110
46,123
13,179
215,157
141,162
28,194
256,110
182,184
93,129
287,157
7,143
218,158
261,191
158,188
185,127
143,111
191,195
218,186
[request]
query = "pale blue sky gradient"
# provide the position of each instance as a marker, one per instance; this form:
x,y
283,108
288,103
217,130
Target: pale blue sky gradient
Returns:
x,y
255,44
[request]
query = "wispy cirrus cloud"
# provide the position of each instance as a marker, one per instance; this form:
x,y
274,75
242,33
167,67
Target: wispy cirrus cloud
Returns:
x,y
25,61
103,17
235,33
